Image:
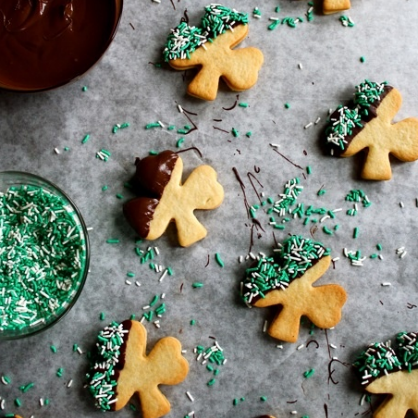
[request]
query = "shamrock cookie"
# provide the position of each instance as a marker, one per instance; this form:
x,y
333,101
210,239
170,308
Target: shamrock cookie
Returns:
x,y
366,123
164,198
335,6
392,371
122,368
210,47
287,281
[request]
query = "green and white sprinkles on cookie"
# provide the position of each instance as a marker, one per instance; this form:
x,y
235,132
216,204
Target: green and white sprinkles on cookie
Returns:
x,y
184,39
346,121
42,256
102,381
296,255
408,349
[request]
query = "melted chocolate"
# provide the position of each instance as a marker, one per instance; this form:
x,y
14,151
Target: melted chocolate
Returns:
x,y
372,113
47,43
152,176
153,173
139,213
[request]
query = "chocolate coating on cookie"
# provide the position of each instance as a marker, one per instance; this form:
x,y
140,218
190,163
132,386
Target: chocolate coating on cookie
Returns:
x,y
139,213
153,173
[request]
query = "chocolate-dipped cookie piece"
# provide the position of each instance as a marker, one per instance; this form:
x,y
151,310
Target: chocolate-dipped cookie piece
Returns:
x,y
164,198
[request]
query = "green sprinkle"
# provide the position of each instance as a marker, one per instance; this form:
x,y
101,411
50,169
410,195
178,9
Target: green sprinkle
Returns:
x,y
66,148
9,416
132,317
102,316
119,196
209,367
243,104
321,192
46,401
152,125
85,139
154,301
248,134
327,230
197,285
182,131
18,402
308,373
75,347
242,399
235,133
171,128
179,142
25,388
53,348
60,371
211,382
308,170
84,88
219,260
336,227
216,372
235,402
130,274
112,241
355,233
277,9
373,256
263,398
132,407
153,152
287,105
379,247
170,271
193,322
362,59
104,188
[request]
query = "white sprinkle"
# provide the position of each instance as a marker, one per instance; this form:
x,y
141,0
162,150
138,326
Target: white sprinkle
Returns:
x,y
4,381
157,251
80,351
317,120
257,16
163,275
70,383
90,228
333,346
157,325
335,259
363,398
300,66
145,307
128,282
279,347
189,395
160,123
308,125
156,1
275,145
274,18
41,401
293,412
401,204
137,283
265,325
183,351
2,405
403,254
380,257
57,151
180,108
301,346
386,284
190,414
162,296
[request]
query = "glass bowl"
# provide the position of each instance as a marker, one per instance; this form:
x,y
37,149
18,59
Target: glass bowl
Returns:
x,y
44,254
45,45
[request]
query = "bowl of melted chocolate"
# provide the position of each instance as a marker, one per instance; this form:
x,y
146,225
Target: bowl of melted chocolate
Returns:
x,y
45,44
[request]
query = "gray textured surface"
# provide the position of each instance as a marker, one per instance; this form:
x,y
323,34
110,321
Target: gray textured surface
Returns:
x,y
124,87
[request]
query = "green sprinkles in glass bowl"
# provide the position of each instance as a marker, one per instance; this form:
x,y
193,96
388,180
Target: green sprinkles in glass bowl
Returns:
x,y
184,39
43,254
296,255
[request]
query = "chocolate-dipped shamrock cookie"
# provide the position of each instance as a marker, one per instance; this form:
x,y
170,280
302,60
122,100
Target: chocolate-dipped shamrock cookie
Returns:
x,y
210,47
121,368
163,197
366,124
286,280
